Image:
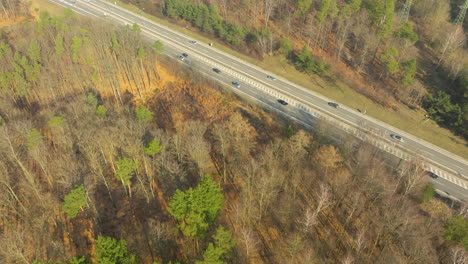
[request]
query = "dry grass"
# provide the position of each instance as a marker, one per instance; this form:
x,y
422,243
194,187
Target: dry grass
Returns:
x,y
37,6
404,118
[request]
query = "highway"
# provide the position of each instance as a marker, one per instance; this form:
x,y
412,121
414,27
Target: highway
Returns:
x,y
305,105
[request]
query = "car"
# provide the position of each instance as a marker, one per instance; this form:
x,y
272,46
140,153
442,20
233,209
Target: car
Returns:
x,y
216,70
236,84
282,102
433,175
333,104
185,55
273,78
181,57
193,42
397,137
210,44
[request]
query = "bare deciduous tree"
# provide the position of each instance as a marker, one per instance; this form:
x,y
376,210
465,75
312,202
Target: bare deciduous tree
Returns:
x,y
324,198
459,255
308,220
249,241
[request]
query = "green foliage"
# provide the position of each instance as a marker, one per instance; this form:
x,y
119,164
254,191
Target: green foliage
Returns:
x,y
289,131
34,52
144,114
251,37
158,46
91,99
428,193
442,110
2,121
126,167
153,148
406,32
223,244
57,121
303,7
196,208
141,53
351,7
34,139
206,18
79,260
101,110
285,47
44,20
112,251
381,14
76,47
115,43
456,230
326,8
43,262
74,201
223,240
68,13
59,46
304,61
409,69
136,28
388,58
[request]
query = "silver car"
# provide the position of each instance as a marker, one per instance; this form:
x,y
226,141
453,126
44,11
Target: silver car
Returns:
x,y
397,137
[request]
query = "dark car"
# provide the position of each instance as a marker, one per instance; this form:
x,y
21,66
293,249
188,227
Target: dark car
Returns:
x,y
282,102
216,70
333,104
236,84
273,78
185,55
433,175
397,137
193,42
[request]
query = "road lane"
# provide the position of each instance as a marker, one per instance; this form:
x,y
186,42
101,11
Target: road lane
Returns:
x,y
456,165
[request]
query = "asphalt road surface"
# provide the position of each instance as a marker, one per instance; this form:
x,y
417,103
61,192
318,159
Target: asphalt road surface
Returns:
x,y
452,169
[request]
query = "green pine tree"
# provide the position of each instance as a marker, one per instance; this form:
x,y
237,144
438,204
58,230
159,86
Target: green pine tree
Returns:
x,y
456,230
57,121
409,69
34,139
101,110
74,201
126,167
91,100
112,251
144,114
79,260
215,253
158,46
428,193
153,148
196,208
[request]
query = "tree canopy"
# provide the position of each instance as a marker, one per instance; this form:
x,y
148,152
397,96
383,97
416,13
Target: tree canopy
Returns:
x,y
196,208
74,201
112,251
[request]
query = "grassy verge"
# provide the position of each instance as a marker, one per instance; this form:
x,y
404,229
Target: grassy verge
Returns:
x,y
405,119
37,6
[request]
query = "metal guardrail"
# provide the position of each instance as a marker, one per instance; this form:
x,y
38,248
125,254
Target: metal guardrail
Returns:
x,y
364,133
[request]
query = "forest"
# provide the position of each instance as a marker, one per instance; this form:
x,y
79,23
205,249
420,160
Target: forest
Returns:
x,y
111,152
398,53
